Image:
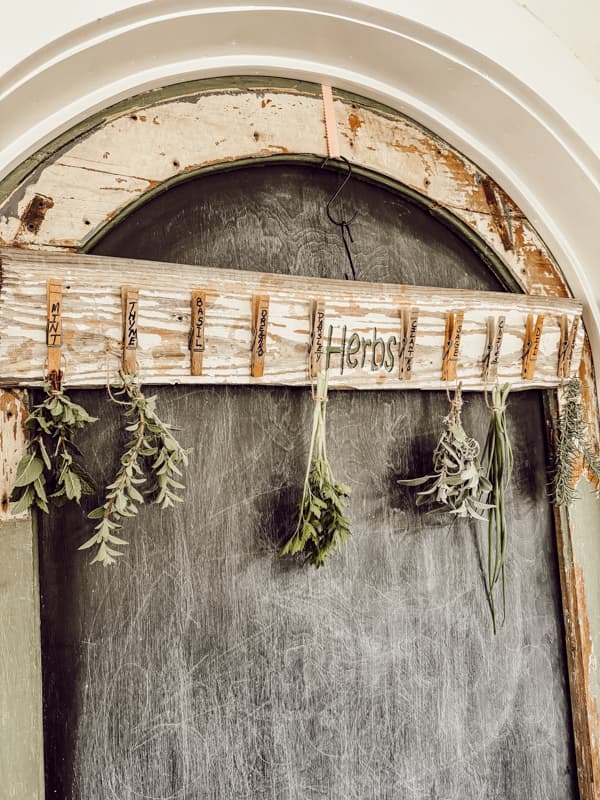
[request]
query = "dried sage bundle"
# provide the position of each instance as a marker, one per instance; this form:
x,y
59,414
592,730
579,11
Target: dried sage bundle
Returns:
x,y
322,526
49,470
458,479
152,452
572,446
498,457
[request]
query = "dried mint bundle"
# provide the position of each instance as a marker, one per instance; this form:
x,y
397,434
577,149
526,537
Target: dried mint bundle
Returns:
x,y
49,471
152,452
572,445
458,480
498,457
322,526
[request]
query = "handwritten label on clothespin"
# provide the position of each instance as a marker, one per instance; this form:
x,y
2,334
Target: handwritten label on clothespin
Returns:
x,y
491,359
316,348
566,345
197,331
531,345
130,300
54,324
333,145
571,346
409,318
454,323
260,321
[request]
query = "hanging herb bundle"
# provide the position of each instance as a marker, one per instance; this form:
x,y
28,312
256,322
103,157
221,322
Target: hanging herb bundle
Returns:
x,y
498,456
458,480
153,452
49,471
572,446
322,526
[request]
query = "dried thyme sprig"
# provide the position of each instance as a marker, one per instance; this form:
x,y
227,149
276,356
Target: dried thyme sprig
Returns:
x,y
322,526
572,445
153,450
498,456
49,470
458,480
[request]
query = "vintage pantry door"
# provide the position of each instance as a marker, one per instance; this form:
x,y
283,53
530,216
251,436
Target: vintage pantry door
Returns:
x,y
204,666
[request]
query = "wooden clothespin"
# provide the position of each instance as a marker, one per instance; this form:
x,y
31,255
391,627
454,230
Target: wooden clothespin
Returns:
x,y
130,301
316,349
333,145
566,345
491,357
454,323
409,318
54,331
260,321
531,345
197,331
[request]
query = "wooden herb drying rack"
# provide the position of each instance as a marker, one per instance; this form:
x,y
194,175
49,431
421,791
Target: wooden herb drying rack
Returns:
x,y
177,323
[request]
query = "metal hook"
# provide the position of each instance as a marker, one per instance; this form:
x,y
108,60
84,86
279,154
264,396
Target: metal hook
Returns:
x,y
341,222
344,224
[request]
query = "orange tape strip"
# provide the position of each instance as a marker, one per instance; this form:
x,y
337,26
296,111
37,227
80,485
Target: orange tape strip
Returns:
x,y
333,145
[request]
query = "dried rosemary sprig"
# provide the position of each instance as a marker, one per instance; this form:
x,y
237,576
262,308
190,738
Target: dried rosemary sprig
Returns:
x,y
498,456
153,450
49,470
322,526
572,445
458,480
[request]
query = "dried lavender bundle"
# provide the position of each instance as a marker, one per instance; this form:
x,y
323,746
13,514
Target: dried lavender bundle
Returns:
x,y
498,456
458,479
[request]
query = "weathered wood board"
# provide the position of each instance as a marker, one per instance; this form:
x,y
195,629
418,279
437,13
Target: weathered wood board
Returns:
x,y
361,333
205,666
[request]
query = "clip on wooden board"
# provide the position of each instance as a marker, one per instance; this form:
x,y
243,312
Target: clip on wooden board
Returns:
x,y
260,321
316,348
409,318
54,332
130,300
333,145
454,323
197,331
531,345
566,345
491,358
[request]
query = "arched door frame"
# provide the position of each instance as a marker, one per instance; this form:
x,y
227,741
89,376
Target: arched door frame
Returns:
x,y
64,197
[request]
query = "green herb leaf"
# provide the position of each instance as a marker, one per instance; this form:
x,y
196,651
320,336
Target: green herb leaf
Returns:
x,y
321,527
30,467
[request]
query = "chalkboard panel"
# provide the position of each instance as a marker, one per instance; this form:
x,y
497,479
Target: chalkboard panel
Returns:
x,y
203,666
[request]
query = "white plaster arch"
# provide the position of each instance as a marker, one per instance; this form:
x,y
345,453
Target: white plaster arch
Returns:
x,y
491,80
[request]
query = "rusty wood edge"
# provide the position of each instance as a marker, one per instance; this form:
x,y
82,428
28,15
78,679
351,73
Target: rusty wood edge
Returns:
x,y
578,642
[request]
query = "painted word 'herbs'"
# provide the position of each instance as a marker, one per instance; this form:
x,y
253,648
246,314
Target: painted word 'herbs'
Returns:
x,y
373,352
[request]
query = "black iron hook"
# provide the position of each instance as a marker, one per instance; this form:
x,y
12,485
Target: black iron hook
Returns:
x,y
344,224
332,199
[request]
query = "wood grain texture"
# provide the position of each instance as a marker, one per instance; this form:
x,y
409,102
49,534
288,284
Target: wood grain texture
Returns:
x,y
205,666
13,441
92,316
96,176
